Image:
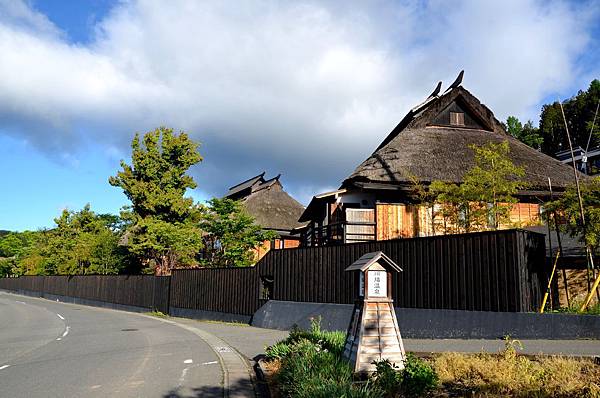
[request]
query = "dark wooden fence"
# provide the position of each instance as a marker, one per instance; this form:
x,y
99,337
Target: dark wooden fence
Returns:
x,y
487,271
145,291
229,290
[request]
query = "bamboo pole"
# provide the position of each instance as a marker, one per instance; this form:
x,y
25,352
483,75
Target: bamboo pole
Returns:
x,y
590,263
549,283
559,241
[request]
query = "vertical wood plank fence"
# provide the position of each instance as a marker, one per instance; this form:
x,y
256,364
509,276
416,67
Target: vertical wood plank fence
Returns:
x,y
487,271
143,291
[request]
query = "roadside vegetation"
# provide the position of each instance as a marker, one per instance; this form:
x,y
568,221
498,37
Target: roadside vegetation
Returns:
x,y
310,364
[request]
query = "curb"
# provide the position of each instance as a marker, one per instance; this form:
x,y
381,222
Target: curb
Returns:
x,y
237,376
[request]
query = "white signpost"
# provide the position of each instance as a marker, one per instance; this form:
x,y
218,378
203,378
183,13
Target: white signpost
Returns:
x,y
377,283
373,333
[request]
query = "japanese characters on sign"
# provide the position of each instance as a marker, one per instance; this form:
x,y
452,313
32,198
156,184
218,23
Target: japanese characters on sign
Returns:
x,y
361,287
377,283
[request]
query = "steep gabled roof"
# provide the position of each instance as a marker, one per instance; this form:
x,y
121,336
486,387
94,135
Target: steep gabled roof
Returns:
x,y
238,190
425,147
273,208
268,203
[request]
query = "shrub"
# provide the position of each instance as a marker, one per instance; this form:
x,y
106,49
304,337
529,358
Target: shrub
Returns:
x,y
346,390
387,377
418,377
278,350
309,367
331,341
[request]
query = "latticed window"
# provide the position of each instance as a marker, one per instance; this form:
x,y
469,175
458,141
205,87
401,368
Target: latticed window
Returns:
x,y
457,119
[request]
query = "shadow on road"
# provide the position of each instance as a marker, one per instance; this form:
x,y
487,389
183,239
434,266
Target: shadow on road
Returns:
x,y
237,389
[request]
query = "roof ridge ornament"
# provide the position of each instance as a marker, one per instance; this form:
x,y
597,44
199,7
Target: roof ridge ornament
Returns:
x,y
436,91
456,82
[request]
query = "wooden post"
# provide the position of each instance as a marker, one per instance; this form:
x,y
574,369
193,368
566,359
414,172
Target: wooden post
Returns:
x,y
590,264
558,239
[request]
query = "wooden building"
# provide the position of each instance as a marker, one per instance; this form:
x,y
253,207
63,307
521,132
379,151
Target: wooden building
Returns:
x,y
377,201
272,208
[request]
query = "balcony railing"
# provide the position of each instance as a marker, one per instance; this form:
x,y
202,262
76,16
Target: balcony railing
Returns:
x,y
341,232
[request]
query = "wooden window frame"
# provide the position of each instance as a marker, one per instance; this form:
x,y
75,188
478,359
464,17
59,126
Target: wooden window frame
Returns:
x,y
457,118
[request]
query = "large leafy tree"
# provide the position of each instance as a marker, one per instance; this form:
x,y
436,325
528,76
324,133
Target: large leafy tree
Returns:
x,y
528,133
579,112
486,195
163,230
231,234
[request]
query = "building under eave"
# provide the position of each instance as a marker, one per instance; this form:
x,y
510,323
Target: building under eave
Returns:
x,y
378,202
272,208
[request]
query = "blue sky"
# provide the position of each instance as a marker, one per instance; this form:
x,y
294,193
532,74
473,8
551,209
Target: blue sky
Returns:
x,y
306,88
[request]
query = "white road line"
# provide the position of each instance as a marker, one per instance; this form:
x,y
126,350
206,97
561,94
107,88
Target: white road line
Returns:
x,y
183,374
210,363
188,361
60,316
66,332
21,302
4,367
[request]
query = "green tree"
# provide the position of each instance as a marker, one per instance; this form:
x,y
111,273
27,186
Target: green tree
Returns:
x,y
82,243
568,208
485,197
579,112
528,133
164,245
230,234
15,246
162,223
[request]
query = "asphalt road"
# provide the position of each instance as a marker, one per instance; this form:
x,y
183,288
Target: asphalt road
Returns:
x,y
50,349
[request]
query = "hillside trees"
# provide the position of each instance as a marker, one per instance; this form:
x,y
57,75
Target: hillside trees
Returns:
x,y
579,112
527,134
163,223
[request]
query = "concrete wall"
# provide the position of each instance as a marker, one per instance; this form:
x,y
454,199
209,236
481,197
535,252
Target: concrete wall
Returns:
x,y
436,324
209,315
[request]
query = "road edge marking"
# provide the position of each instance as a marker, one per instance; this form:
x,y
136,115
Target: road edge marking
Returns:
x,y
234,366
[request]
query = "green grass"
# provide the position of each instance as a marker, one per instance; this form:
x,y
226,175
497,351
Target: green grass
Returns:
x,y
157,314
224,322
593,309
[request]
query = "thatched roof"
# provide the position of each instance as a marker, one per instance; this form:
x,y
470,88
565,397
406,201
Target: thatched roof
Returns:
x,y
244,188
268,203
424,146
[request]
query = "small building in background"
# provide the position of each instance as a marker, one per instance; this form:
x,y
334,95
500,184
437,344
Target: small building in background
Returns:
x,y
272,208
380,199
586,162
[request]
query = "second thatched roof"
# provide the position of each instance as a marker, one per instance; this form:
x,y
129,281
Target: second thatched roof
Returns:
x,y
268,203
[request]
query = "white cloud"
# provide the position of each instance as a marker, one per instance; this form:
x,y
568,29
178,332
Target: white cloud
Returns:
x,y
307,89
